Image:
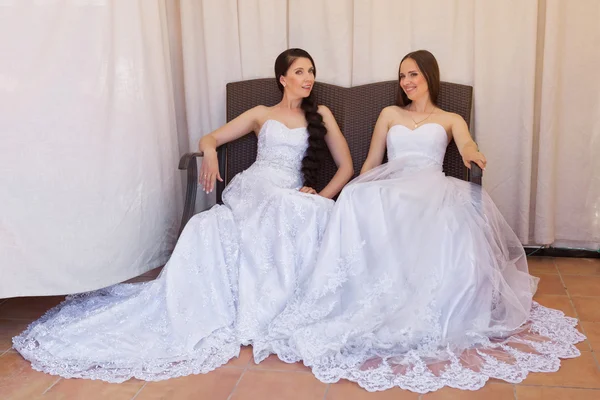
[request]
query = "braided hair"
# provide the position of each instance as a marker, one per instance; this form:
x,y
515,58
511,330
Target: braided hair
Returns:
x,y
316,130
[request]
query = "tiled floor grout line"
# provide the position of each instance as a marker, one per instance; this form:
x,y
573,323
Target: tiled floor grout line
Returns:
x,y
576,314
595,357
280,370
560,275
237,383
326,391
51,386
567,291
555,265
582,329
139,391
557,386
246,367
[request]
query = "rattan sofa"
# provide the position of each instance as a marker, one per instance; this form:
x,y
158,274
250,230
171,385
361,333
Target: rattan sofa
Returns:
x,y
355,109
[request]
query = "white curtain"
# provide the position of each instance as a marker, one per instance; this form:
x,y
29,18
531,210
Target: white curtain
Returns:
x,y
567,204
90,191
537,127
99,98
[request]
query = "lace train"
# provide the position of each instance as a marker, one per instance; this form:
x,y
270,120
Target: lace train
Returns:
x,y
232,271
538,346
420,283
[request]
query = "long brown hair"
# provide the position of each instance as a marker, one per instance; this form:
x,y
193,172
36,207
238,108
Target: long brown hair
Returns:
x,y
431,71
316,130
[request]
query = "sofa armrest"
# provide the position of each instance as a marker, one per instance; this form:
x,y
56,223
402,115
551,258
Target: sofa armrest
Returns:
x,y
188,162
475,174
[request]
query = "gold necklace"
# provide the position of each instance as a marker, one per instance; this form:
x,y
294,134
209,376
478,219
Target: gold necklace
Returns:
x,y
417,123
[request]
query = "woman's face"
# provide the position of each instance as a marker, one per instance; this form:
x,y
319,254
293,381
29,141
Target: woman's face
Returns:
x,y
412,80
299,79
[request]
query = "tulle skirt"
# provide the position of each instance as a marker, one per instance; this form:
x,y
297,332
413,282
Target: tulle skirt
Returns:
x,y
420,283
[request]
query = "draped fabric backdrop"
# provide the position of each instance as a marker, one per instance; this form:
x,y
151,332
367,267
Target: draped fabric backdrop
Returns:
x,y
90,191
536,99
100,97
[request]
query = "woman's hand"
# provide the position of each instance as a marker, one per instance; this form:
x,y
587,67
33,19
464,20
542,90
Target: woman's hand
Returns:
x,y
234,129
308,190
209,171
474,156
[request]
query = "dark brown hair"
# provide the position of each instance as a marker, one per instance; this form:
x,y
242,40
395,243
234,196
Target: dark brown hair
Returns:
x,y
431,71
316,130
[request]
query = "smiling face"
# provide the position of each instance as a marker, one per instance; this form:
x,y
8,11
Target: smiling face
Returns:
x,y
419,78
412,81
299,79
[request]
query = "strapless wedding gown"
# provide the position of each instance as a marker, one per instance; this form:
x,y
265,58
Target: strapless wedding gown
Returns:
x,y
233,270
420,283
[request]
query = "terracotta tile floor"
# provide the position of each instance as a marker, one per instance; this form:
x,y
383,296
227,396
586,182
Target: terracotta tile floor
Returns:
x,y
572,285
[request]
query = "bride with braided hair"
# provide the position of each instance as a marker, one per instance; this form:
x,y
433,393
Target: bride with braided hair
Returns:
x,y
234,268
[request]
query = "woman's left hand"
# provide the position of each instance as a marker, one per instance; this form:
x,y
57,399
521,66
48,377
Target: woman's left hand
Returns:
x,y
476,157
308,190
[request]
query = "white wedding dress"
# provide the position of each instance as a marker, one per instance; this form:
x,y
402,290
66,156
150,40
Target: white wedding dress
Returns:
x,y
233,270
420,283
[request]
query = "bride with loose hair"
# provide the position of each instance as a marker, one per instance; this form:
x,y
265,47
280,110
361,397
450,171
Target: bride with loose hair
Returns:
x,y
418,283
